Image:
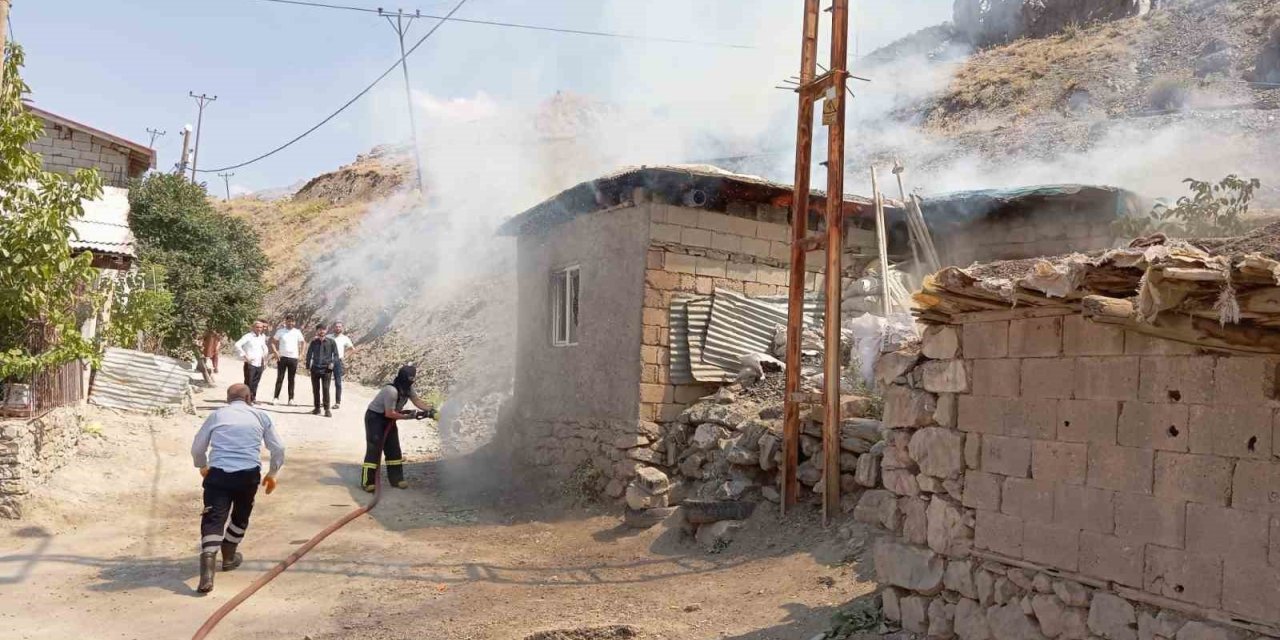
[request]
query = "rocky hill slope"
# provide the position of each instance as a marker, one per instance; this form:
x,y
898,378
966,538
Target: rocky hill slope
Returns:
x,y
1183,91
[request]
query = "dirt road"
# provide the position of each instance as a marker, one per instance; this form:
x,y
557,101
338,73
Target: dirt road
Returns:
x,y
109,547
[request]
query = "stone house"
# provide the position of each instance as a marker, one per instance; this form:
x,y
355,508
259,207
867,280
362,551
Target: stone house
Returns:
x,y
600,264
1098,461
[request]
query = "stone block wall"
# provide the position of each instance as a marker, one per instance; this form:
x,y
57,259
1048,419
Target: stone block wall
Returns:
x,y
30,450
602,452
695,252
1064,479
63,150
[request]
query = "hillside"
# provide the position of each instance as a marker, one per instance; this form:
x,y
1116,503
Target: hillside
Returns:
x,y
1142,102
353,245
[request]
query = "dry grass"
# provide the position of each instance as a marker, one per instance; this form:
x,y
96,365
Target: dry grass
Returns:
x,y
1032,75
293,232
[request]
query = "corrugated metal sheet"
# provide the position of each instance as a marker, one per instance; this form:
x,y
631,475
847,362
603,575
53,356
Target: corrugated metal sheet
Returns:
x,y
678,338
709,335
739,326
139,381
104,228
699,311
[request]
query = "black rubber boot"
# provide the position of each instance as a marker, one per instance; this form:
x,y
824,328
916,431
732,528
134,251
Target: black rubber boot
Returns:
x,y
208,565
230,558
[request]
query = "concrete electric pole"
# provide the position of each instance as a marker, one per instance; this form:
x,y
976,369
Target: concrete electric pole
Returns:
x,y
201,100
154,133
401,21
186,149
226,182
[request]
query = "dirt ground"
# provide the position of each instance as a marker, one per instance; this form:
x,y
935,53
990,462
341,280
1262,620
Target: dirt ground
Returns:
x,y
109,546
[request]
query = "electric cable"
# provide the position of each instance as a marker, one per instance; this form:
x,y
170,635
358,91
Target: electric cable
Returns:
x,y
345,105
515,25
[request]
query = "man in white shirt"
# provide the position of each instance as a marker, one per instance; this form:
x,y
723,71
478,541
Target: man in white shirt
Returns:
x,y
228,450
344,345
287,346
252,348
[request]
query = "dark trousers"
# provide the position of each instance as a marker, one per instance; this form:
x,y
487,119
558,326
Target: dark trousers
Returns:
x,y
252,376
318,381
375,424
337,382
227,493
285,367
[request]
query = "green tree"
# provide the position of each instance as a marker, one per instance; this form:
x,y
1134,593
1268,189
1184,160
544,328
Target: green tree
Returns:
x,y
42,281
212,263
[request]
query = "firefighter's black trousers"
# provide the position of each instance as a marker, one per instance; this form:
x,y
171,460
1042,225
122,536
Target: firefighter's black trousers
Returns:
x,y
375,424
227,493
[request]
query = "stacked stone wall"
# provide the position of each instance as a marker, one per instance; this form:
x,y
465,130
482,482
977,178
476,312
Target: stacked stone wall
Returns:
x,y
1048,477
30,450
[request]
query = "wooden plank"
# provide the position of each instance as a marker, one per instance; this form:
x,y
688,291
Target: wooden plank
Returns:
x,y
1266,300
1018,313
882,243
1202,332
1194,275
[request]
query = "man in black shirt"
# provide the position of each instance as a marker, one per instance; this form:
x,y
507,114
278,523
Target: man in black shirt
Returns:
x,y
322,353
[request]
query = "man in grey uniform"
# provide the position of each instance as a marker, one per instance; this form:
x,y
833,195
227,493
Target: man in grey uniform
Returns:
x,y
380,434
227,450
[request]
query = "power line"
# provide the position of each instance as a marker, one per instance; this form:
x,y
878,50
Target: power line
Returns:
x,y
515,25
348,103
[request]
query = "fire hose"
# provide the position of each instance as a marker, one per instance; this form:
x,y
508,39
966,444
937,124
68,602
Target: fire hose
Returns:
x,y
244,594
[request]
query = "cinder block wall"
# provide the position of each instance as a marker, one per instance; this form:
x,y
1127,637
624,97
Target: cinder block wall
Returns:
x,y
63,150
1110,483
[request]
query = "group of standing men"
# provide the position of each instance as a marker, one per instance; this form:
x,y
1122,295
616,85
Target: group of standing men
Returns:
x,y
323,360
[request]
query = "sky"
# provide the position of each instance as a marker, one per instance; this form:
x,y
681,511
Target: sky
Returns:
x,y
278,69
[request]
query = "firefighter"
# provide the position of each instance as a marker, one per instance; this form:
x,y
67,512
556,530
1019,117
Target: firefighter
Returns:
x,y
380,421
227,451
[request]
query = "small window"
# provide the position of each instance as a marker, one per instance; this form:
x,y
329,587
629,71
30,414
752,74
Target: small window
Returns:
x,y
564,307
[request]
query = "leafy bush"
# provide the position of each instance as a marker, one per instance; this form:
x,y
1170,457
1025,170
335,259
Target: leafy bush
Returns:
x,y
1210,210
43,283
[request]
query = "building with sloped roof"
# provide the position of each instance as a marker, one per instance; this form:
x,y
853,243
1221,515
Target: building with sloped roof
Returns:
x,y
638,292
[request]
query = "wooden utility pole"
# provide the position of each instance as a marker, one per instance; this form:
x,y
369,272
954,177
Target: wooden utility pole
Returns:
x,y
201,100
831,87
186,149
799,230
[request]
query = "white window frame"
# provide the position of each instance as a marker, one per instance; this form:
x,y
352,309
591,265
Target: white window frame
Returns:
x,y
564,317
